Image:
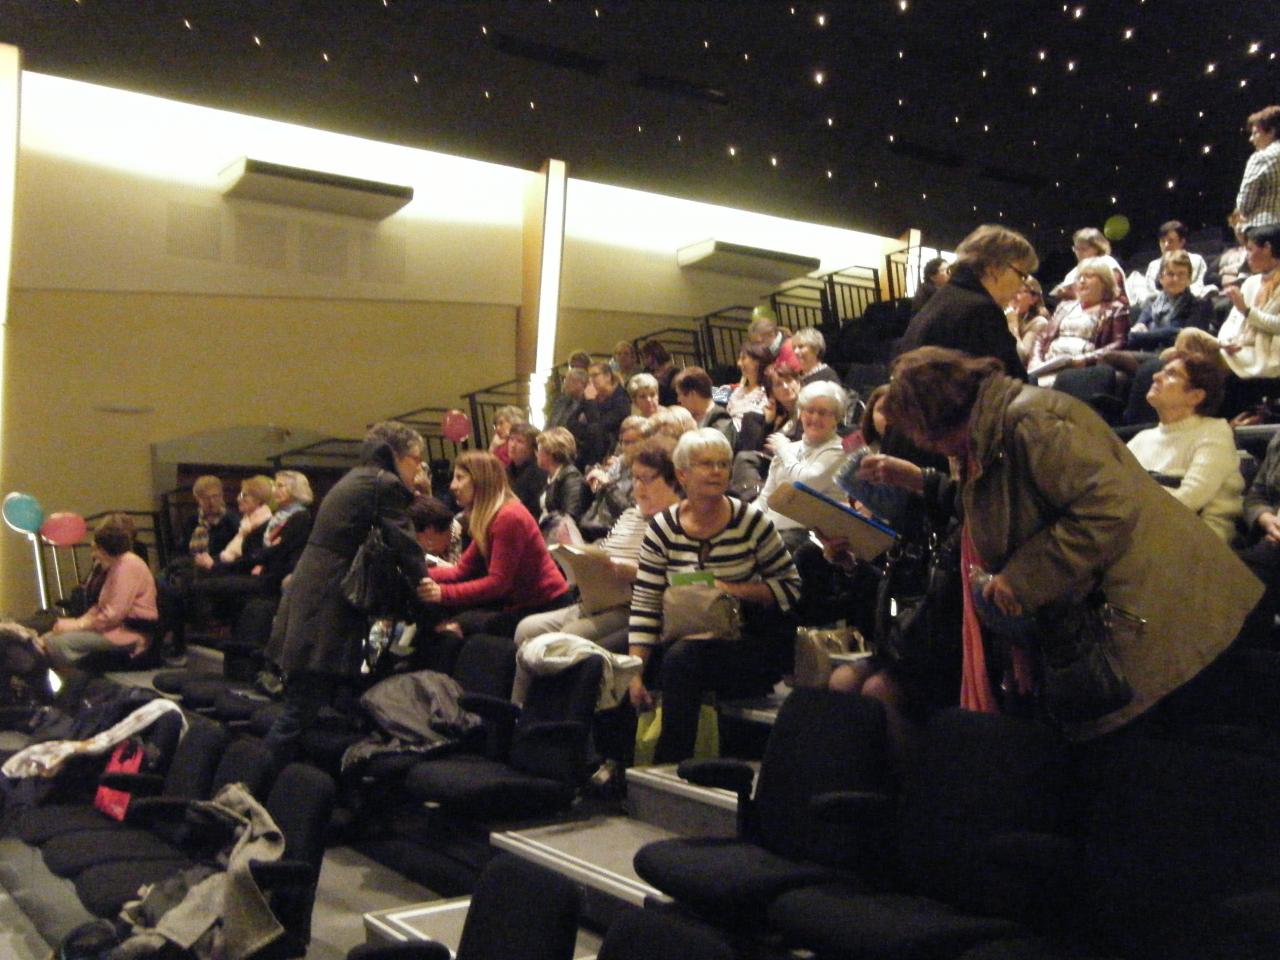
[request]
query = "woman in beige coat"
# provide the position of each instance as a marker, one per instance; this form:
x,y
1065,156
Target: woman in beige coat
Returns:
x,y
1056,506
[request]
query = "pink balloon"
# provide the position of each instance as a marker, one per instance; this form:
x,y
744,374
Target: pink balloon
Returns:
x,y
456,426
64,529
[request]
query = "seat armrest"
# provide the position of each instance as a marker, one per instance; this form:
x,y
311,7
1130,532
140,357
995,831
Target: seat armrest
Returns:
x,y
414,950
499,721
852,829
489,708
139,784
146,811
275,874
722,774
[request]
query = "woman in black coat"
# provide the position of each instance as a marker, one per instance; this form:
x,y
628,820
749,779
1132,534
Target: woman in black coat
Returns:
x,y
991,265
317,638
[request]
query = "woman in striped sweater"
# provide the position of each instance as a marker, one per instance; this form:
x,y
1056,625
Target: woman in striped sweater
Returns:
x,y
737,544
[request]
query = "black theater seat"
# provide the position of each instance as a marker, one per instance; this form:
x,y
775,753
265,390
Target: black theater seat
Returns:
x,y
824,748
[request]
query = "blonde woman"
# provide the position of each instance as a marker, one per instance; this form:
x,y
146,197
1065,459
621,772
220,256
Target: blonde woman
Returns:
x,y
566,492
1083,329
506,573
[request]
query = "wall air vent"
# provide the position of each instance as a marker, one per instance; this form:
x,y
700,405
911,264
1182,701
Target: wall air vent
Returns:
x,y
251,179
740,260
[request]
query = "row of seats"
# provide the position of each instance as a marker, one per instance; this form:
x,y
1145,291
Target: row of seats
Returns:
x,y
993,837
66,862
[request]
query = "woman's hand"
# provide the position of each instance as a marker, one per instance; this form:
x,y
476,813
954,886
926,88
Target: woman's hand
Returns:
x,y
999,592
640,696
834,549
66,625
429,591
203,560
1237,299
878,468
1269,523
775,442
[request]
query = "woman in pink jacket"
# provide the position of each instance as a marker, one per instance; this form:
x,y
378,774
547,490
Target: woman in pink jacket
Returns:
x,y
124,615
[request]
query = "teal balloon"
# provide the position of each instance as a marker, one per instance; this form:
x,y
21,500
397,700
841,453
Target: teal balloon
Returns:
x,y
22,512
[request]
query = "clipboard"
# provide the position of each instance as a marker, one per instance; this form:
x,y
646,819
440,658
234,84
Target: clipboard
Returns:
x,y
591,571
868,538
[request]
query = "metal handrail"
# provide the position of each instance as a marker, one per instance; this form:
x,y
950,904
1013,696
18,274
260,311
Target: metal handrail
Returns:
x,y
801,303
723,333
851,290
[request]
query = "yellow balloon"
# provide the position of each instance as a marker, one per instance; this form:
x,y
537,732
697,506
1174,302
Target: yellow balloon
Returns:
x,y
1117,227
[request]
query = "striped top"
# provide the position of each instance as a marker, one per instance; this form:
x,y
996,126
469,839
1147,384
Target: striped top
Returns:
x,y
748,549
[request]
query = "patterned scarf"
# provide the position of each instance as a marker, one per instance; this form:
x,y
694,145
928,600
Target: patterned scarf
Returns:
x,y
278,520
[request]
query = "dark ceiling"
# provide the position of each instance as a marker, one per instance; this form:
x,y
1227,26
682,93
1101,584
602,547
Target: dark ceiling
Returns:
x,y
945,114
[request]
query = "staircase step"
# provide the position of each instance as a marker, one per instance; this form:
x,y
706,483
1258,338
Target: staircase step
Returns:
x,y
760,710
442,920
596,854
656,795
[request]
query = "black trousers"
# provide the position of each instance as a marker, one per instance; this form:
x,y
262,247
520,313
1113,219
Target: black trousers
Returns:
x,y
686,670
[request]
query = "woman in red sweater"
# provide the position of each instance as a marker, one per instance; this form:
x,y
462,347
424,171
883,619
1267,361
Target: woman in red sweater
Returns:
x,y
506,573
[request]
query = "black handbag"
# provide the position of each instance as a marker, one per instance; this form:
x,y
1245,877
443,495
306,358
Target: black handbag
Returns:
x,y
372,583
1081,678
915,599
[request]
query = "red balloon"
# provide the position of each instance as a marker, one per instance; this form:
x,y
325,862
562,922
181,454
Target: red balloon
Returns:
x,y
456,426
64,529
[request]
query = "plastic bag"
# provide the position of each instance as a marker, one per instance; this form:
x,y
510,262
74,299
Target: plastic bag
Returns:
x,y
649,729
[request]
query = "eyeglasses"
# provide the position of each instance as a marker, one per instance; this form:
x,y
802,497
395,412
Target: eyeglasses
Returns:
x,y
1022,274
712,464
645,478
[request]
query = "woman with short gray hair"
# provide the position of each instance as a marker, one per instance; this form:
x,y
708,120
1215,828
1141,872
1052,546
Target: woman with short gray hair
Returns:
x,y
813,460
643,389
736,546
809,345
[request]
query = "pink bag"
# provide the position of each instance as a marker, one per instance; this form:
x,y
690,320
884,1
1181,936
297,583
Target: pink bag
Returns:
x,y
126,758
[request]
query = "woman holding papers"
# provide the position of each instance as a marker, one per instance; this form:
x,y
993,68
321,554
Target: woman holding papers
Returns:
x,y
814,459
654,486
709,536
1056,510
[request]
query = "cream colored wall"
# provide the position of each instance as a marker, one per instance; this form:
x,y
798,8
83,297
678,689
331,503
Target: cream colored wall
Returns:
x,y
135,283
620,251
596,331
203,363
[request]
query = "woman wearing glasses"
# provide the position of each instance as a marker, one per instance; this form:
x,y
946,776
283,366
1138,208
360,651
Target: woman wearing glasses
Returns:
x,y
991,265
317,636
733,544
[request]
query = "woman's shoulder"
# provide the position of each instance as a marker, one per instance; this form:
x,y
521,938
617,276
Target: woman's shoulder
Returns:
x,y
513,515
131,565
1216,429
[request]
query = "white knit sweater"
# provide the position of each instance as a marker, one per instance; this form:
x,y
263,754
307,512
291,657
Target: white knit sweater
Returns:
x,y
1202,451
